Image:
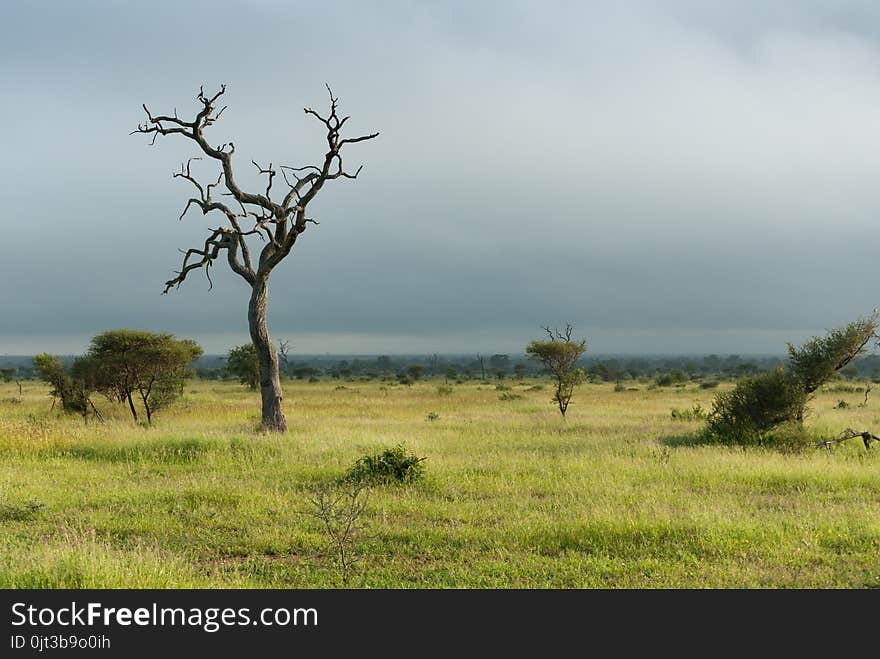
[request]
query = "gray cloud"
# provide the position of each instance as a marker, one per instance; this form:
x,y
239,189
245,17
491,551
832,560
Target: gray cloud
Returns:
x,y
699,177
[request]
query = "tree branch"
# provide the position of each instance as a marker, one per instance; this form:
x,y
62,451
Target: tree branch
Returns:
x,y
288,218
849,433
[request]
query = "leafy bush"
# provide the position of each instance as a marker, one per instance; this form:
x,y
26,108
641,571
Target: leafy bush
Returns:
x,y
770,408
392,465
755,406
709,384
243,363
444,389
510,396
695,413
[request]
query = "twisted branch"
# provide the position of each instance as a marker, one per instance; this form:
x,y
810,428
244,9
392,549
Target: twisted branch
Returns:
x,y
280,223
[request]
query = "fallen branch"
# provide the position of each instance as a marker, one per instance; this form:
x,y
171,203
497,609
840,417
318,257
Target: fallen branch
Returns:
x,y
849,433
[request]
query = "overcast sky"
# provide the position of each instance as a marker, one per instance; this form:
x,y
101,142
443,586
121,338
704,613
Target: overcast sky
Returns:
x,y
667,176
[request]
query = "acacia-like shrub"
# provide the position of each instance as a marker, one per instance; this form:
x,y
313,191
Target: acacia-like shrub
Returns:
x,y
391,465
746,413
772,406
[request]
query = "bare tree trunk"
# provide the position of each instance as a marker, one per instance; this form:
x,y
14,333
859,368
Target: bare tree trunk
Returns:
x,y
144,397
267,355
134,413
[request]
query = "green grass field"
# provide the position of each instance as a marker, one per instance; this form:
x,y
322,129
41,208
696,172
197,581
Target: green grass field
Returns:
x,y
617,495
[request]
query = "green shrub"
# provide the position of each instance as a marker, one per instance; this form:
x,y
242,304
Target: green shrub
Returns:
x,y
709,384
444,389
755,406
392,465
695,413
510,396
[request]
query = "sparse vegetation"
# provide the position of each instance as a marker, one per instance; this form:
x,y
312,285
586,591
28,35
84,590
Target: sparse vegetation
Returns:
x,y
205,500
340,507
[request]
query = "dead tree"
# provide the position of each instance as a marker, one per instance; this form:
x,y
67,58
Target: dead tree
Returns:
x,y
277,223
283,348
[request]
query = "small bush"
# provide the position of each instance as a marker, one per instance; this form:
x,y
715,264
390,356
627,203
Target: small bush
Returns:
x,y
535,387
444,389
510,396
841,405
619,387
392,465
340,507
501,387
709,384
695,413
747,413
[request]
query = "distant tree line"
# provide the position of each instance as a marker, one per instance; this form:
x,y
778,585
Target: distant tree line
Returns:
x,y
658,370
653,369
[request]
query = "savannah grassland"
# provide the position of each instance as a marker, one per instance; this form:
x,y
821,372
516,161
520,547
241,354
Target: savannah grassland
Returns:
x,y
617,495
